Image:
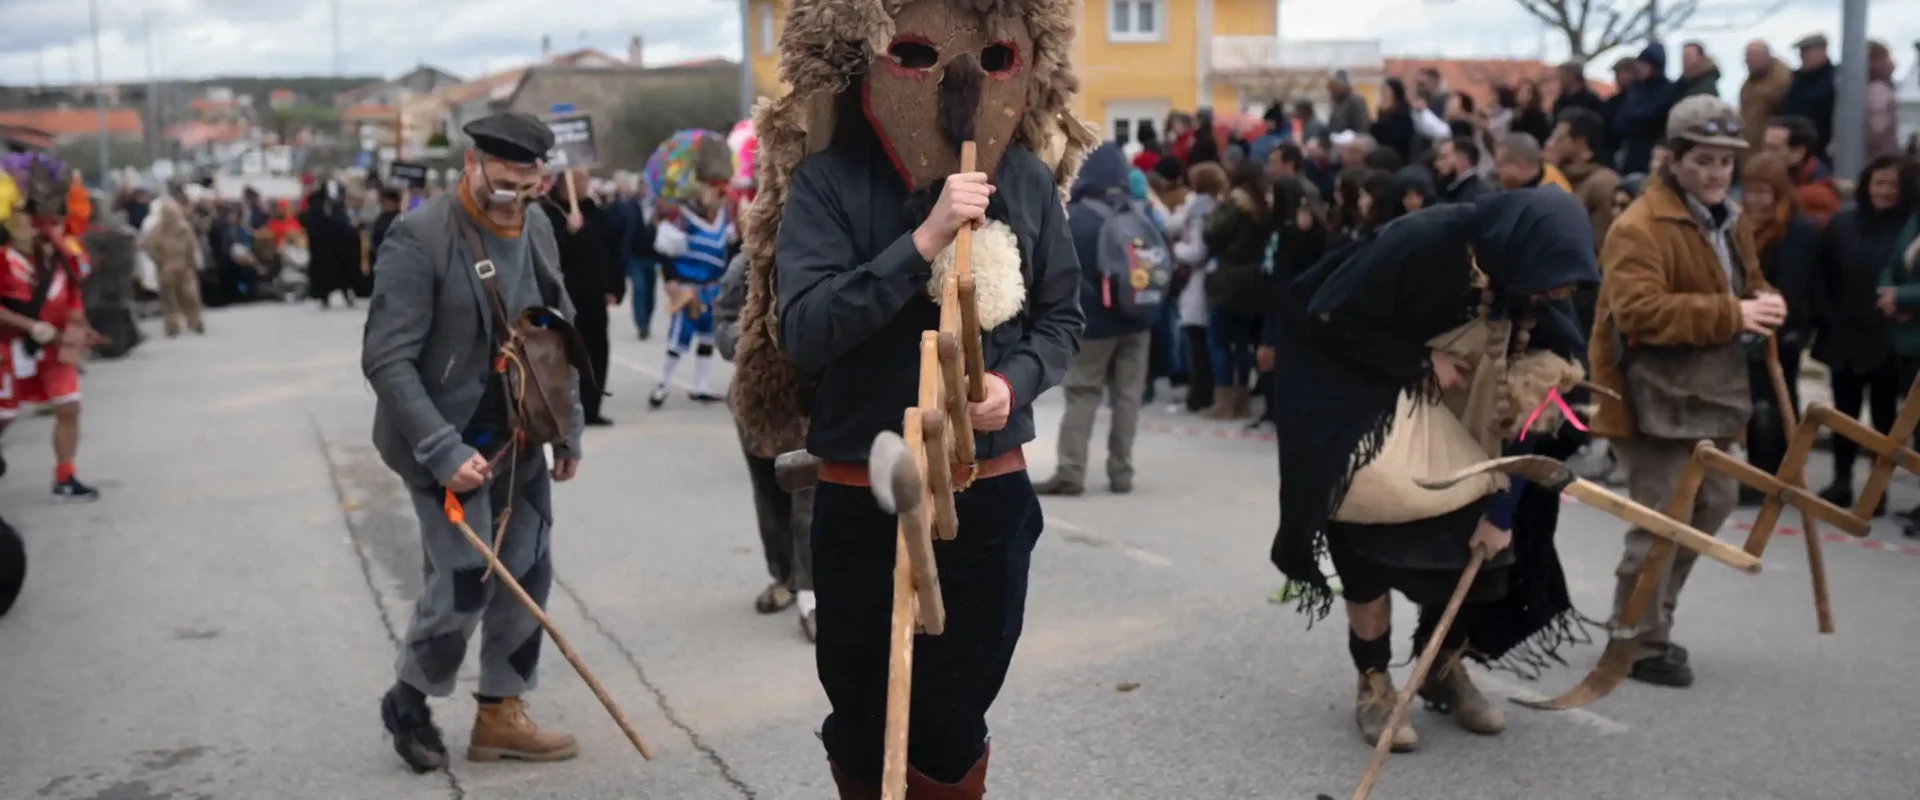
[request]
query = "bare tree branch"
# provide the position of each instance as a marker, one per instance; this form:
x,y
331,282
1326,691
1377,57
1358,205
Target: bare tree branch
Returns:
x,y
1595,27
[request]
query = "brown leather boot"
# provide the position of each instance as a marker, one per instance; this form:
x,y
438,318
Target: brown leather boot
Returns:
x,y
852,788
972,786
1373,709
1222,405
1242,403
1450,690
502,730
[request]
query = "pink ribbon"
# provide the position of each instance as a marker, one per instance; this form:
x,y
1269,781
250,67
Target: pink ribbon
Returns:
x,y
1553,396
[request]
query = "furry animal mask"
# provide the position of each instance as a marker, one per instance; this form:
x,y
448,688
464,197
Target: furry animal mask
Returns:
x,y
825,45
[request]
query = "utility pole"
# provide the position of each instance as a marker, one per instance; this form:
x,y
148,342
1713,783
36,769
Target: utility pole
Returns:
x,y
153,101
1849,113
746,59
338,69
99,91
1653,21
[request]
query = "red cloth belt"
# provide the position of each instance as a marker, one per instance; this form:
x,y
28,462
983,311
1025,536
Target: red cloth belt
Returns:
x,y
854,473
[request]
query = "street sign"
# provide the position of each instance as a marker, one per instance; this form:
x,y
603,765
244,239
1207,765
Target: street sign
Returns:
x,y
573,144
560,110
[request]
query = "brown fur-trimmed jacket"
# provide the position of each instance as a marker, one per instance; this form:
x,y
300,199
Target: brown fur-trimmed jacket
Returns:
x,y
1662,285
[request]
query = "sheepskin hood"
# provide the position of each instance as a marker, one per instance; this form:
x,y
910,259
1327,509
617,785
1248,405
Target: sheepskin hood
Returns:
x,y
825,45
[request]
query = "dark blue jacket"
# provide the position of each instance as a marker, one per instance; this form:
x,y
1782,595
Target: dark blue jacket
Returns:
x,y
1103,177
1642,120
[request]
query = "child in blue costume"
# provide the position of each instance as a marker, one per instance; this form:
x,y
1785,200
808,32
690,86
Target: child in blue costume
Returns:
x,y
709,241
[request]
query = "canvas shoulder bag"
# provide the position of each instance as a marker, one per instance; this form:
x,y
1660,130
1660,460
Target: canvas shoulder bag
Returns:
x,y
1685,393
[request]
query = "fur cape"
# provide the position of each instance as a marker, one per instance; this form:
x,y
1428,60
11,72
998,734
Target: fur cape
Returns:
x,y
825,44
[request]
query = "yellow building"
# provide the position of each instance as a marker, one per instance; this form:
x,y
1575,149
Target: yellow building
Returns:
x,y
1141,59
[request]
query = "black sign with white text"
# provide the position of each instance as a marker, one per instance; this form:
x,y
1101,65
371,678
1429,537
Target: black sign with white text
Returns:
x,y
573,145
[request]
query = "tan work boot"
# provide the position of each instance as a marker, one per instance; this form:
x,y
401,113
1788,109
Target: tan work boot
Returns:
x,y
1374,708
1450,690
502,730
1222,404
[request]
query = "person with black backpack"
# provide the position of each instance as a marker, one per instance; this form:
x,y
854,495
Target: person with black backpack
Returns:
x,y
1125,268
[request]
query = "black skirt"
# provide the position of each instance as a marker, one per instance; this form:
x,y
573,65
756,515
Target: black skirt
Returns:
x,y
1421,559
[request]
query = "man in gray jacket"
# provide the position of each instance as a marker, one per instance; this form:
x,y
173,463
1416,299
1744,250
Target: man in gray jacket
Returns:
x,y
442,424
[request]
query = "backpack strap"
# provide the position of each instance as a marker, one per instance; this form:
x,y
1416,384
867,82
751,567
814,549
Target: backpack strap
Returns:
x,y
489,281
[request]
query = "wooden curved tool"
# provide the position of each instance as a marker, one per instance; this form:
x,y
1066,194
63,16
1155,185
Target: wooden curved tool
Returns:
x,y
893,465
1904,424
1557,476
1794,474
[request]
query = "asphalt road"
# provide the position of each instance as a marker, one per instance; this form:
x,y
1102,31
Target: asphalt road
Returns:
x,y
222,623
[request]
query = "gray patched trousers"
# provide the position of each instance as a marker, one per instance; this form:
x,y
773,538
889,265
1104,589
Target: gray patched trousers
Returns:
x,y
454,600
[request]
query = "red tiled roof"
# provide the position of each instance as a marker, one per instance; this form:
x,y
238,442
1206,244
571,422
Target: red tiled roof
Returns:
x,y
26,137
195,134
210,104
74,121
1479,76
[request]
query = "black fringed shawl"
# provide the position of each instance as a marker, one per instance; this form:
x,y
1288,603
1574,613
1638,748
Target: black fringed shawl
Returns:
x,y
1353,337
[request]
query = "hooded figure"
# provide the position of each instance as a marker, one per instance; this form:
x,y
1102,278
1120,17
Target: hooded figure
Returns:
x,y
1374,327
1642,120
860,196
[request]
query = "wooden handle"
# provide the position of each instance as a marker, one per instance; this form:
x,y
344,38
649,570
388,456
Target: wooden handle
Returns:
x,y
1775,489
939,475
913,524
1903,426
457,517
1796,475
970,340
1804,438
573,200
954,383
1654,567
1427,657
1663,526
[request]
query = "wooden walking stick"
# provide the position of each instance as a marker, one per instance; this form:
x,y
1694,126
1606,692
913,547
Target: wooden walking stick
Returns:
x,y
1428,656
458,516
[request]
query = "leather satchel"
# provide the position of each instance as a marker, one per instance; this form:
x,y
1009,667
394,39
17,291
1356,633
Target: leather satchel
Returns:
x,y
536,353
1686,393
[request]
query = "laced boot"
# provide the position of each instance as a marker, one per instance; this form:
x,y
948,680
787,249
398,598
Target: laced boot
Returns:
x,y
972,786
502,730
1374,708
1222,404
1450,690
852,788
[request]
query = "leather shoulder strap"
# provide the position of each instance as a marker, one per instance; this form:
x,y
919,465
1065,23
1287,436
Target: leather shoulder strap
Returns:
x,y
489,279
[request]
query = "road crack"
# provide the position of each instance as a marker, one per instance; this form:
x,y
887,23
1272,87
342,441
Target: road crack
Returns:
x,y
659,696
374,595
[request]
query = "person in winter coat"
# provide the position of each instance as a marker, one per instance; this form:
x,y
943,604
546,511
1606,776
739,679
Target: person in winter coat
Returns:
x,y
1113,357
333,249
389,211
175,251
1698,73
1520,163
1762,94
1900,294
1883,106
1574,150
1393,128
1796,139
1456,168
1814,90
1349,109
1678,272
1530,112
1236,234
1642,119
1855,323
1789,246
591,267
1190,199
1575,92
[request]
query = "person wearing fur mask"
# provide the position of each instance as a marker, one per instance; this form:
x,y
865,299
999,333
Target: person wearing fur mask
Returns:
x,y
860,199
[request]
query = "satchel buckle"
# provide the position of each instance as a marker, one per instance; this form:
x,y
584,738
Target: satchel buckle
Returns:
x,y
966,481
484,269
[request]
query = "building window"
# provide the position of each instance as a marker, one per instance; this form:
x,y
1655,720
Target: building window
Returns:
x,y
1122,131
766,29
1136,20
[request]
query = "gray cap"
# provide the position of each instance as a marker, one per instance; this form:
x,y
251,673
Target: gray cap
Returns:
x,y
1816,40
514,136
1704,119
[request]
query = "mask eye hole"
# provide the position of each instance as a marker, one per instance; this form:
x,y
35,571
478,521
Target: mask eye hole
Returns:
x,y
913,54
999,58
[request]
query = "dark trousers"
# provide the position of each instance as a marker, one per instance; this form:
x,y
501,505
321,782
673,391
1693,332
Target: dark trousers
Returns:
x,y
590,318
1199,368
1880,391
644,275
956,675
1233,336
785,523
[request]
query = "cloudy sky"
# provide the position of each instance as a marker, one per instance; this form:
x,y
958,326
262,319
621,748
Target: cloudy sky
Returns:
x,y
197,38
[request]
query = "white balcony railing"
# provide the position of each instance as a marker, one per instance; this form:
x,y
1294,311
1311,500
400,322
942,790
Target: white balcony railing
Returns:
x,y
1249,54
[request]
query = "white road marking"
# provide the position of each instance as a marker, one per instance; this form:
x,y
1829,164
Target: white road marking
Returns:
x,y
1606,726
1084,536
